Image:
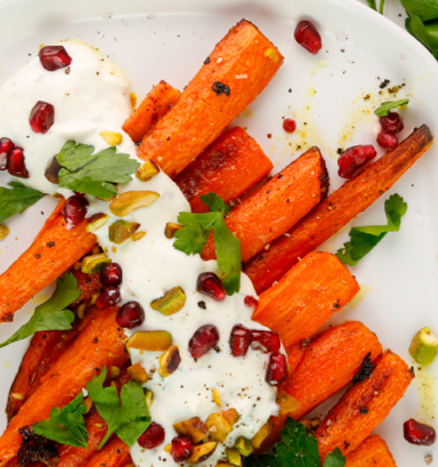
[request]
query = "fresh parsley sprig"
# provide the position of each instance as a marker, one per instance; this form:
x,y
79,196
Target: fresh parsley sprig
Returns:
x,y
16,199
192,238
384,108
364,239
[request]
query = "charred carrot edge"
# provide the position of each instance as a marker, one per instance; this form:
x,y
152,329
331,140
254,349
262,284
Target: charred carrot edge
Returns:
x,y
338,209
372,451
306,297
238,69
113,454
277,205
364,406
154,106
52,252
100,343
229,167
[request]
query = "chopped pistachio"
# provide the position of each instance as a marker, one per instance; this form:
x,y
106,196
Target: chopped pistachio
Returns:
x,y
147,170
121,230
80,310
194,428
3,231
153,341
216,397
138,373
111,137
424,346
261,435
88,404
220,424
129,201
169,361
168,448
138,236
93,263
149,398
201,452
244,446
114,371
96,221
286,402
272,54
171,302
233,456
171,228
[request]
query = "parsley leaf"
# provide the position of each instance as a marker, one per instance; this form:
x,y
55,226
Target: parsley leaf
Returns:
x,y
16,199
364,239
127,417
384,108
425,32
94,174
426,9
192,238
66,425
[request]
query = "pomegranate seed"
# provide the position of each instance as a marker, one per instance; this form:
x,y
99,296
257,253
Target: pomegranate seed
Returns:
x,y
6,146
266,341
250,301
203,340
152,437
289,125
308,36
392,123
209,284
41,117
387,140
418,433
111,274
352,160
182,448
109,297
16,164
276,372
130,315
54,57
240,340
74,211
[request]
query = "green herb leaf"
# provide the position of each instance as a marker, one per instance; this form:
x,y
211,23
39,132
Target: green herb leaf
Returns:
x,y
192,238
426,10
426,33
372,4
66,425
94,174
384,108
51,315
127,417
364,239
334,459
16,199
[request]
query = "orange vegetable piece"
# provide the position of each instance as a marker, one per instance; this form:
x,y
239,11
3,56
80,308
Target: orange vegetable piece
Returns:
x,y
113,454
372,451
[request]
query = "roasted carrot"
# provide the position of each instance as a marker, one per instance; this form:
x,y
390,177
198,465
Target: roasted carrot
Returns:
x,y
113,454
364,406
373,451
238,69
230,166
156,104
277,205
100,343
338,209
306,297
52,252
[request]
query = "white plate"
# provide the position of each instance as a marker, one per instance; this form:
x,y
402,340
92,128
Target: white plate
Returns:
x,y
169,40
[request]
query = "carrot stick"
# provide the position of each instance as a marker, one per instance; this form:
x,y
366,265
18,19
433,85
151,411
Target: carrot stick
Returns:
x,y
113,454
100,343
276,206
230,166
306,297
156,104
372,451
238,69
52,252
338,209
364,406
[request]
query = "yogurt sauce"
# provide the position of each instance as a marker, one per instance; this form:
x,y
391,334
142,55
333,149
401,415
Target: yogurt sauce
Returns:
x,y
93,95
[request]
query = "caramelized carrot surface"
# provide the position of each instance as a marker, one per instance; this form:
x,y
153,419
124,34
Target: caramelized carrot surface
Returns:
x,y
113,454
339,208
373,451
238,69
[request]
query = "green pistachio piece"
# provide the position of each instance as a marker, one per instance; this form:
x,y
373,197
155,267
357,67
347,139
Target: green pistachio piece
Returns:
x,y
171,302
171,228
147,170
93,263
128,201
169,361
201,452
96,221
152,341
233,456
121,230
244,446
424,347
3,231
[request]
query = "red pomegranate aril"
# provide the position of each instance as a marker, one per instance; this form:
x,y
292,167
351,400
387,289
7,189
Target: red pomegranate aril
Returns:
x,y
42,117
203,340
152,437
111,274
276,372
75,210
240,340
6,146
418,433
16,165
54,57
182,448
109,297
289,125
250,301
266,341
387,140
353,159
209,284
308,36
130,315
392,123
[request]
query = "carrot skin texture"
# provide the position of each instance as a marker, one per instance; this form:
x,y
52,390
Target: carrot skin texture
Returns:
x,y
238,69
113,454
337,210
364,406
277,205
312,291
100,343
229,167
155,105
52,252
372,451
